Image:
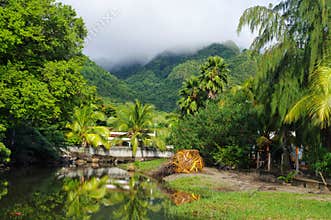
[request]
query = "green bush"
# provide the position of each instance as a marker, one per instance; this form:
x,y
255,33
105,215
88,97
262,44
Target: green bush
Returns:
x,y
233,156
4,154
289,177
231,122
324,166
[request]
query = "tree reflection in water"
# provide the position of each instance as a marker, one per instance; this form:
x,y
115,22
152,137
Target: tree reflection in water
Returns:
x,y
129,201
135,197
83,197
3,188
138,200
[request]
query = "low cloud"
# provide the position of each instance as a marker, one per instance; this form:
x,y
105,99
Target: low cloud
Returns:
x,y
136,30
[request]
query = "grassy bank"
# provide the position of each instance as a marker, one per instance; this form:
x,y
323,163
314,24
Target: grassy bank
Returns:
x,y
144,166
220,200
217,203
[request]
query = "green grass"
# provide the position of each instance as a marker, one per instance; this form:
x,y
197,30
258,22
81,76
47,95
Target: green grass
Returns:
x,y
145,166
215,204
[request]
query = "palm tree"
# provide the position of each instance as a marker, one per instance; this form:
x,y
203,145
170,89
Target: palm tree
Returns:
x,y
84,127
293,36
214,76
316,104
191,97
137,120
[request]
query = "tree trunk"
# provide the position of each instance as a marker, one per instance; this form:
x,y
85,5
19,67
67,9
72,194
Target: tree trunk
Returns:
x,y
13,138
326,138
297,159
269,158
282,164
286,155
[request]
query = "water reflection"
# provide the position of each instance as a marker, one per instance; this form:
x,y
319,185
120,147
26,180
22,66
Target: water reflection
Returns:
x,y
83,196
138,200
3,188
75,194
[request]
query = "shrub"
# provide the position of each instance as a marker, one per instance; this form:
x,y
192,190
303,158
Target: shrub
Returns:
x,y
324,166
231,122
4,154
233,156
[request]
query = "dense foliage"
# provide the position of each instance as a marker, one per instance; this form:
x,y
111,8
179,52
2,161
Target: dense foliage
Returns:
x,y
294,36
213,129
108,85
159,81
84,129
212,80
40,53
137,120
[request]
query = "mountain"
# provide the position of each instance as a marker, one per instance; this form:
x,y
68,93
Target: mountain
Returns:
x,y
107,84
159,81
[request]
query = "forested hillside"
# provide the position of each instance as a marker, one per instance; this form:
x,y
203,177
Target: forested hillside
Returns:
x,y
159,81
107,84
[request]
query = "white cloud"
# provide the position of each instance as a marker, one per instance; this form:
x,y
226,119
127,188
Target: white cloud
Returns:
x,y
144,28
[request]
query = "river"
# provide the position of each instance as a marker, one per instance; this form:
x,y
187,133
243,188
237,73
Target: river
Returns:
x,y
80,193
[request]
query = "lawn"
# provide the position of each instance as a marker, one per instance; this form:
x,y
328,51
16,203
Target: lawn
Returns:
x,y
145,166
215,204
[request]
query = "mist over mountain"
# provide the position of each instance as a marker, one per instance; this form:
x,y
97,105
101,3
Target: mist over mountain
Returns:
x,y
163,63
131,31
159,80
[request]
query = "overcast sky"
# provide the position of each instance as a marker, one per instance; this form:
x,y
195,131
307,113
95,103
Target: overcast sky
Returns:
x,y
125,30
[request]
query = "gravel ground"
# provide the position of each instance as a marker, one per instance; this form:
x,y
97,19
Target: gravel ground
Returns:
x,y
240,181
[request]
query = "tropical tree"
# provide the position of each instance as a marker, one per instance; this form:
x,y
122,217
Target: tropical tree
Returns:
x,y
4,151
137,120
316,103
85,130
197,90
294,36
40,62
214,76
191,96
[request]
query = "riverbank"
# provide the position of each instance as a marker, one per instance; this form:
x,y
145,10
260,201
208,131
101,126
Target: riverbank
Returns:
x,y
236,195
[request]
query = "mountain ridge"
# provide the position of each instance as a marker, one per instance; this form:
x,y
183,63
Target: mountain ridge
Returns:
x,y
158,81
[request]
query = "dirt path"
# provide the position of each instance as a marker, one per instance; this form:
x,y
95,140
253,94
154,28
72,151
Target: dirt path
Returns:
x,y
238,181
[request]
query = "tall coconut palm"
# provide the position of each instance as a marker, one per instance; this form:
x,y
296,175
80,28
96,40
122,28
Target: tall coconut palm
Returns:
x,y
84,127
137,120
191,97
214,76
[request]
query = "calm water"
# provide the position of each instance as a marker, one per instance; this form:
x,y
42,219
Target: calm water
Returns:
x,y
71,193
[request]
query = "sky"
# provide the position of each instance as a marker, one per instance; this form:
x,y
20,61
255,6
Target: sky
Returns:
x,y
124,31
